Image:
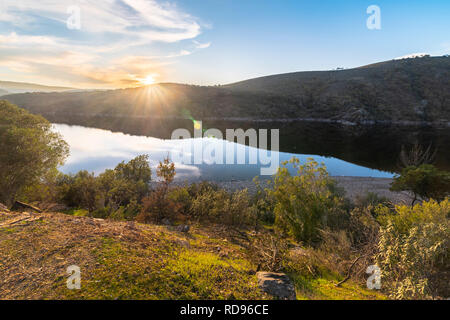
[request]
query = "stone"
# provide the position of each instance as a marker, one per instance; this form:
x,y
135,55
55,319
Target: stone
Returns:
x,y
166,222
183,228
276,284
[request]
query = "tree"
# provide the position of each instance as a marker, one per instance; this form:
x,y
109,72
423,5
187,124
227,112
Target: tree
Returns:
x,y
157,206
307,202
424,181
29,149
136,170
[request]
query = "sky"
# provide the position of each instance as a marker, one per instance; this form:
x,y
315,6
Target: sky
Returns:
x,y
126,43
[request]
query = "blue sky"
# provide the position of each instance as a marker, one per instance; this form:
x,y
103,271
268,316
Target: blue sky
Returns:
x,y
124,43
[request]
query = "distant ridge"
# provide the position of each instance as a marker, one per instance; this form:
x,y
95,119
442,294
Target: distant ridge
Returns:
x,y
22,87
407,91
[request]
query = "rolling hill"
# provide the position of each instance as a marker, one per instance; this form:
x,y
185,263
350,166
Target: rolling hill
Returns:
x,y
21,87
401,91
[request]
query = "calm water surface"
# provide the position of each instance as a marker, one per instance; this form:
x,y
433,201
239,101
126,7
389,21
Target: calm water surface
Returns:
x,y
96,150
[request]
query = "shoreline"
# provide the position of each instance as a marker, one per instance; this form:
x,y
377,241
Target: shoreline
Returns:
x,y
405,123
353,186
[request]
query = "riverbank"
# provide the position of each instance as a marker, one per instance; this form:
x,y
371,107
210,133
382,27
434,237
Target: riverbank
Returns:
x,y
353,186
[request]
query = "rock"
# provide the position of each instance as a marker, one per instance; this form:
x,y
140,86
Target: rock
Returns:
x,y
22,206
3,208
184,244
183,228
276,284
166,222
131,225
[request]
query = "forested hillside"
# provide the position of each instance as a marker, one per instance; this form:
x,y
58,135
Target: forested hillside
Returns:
x,y
400,90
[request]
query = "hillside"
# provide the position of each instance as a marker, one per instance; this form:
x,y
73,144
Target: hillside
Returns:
x,y
124,260
415,90
22,87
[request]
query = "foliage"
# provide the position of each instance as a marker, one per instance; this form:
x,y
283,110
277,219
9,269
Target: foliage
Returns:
x,y
414,250
269,252
29,150
120,189
233,209
425,181
370,199
80,190
263,203
158,206
306,202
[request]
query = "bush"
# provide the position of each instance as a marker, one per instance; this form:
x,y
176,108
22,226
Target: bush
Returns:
x,y
269,252
414,251
233,209
158,206
263,204
113,189
425,181
128,212
81,190
370,199
307,202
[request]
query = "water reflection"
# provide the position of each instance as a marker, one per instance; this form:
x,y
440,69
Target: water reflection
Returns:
x,y
96,150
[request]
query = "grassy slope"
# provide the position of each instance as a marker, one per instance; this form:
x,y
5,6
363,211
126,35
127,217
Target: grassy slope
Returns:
x,y
121,260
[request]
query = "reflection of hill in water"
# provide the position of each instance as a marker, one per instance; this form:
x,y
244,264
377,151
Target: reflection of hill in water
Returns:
x,y
375,147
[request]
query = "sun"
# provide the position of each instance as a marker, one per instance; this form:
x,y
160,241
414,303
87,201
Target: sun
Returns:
x,y
148,80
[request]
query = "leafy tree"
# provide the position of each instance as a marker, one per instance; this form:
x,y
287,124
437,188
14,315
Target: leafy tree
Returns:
x,y
136,170
424,181
29,149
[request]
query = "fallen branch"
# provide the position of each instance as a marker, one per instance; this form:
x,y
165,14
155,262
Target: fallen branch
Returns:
x,y
27,218
349,273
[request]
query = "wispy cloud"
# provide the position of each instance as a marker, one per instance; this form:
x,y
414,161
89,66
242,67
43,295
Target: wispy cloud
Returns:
x,y
199,45
114,36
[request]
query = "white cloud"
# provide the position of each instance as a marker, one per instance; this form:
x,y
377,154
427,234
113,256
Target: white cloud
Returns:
x,y
144,20
113,33
199,45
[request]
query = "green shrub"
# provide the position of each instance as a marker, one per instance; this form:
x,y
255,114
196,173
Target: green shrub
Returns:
x,y
234,209
307,202
263,204
414,251
128,212
425,181
128,183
